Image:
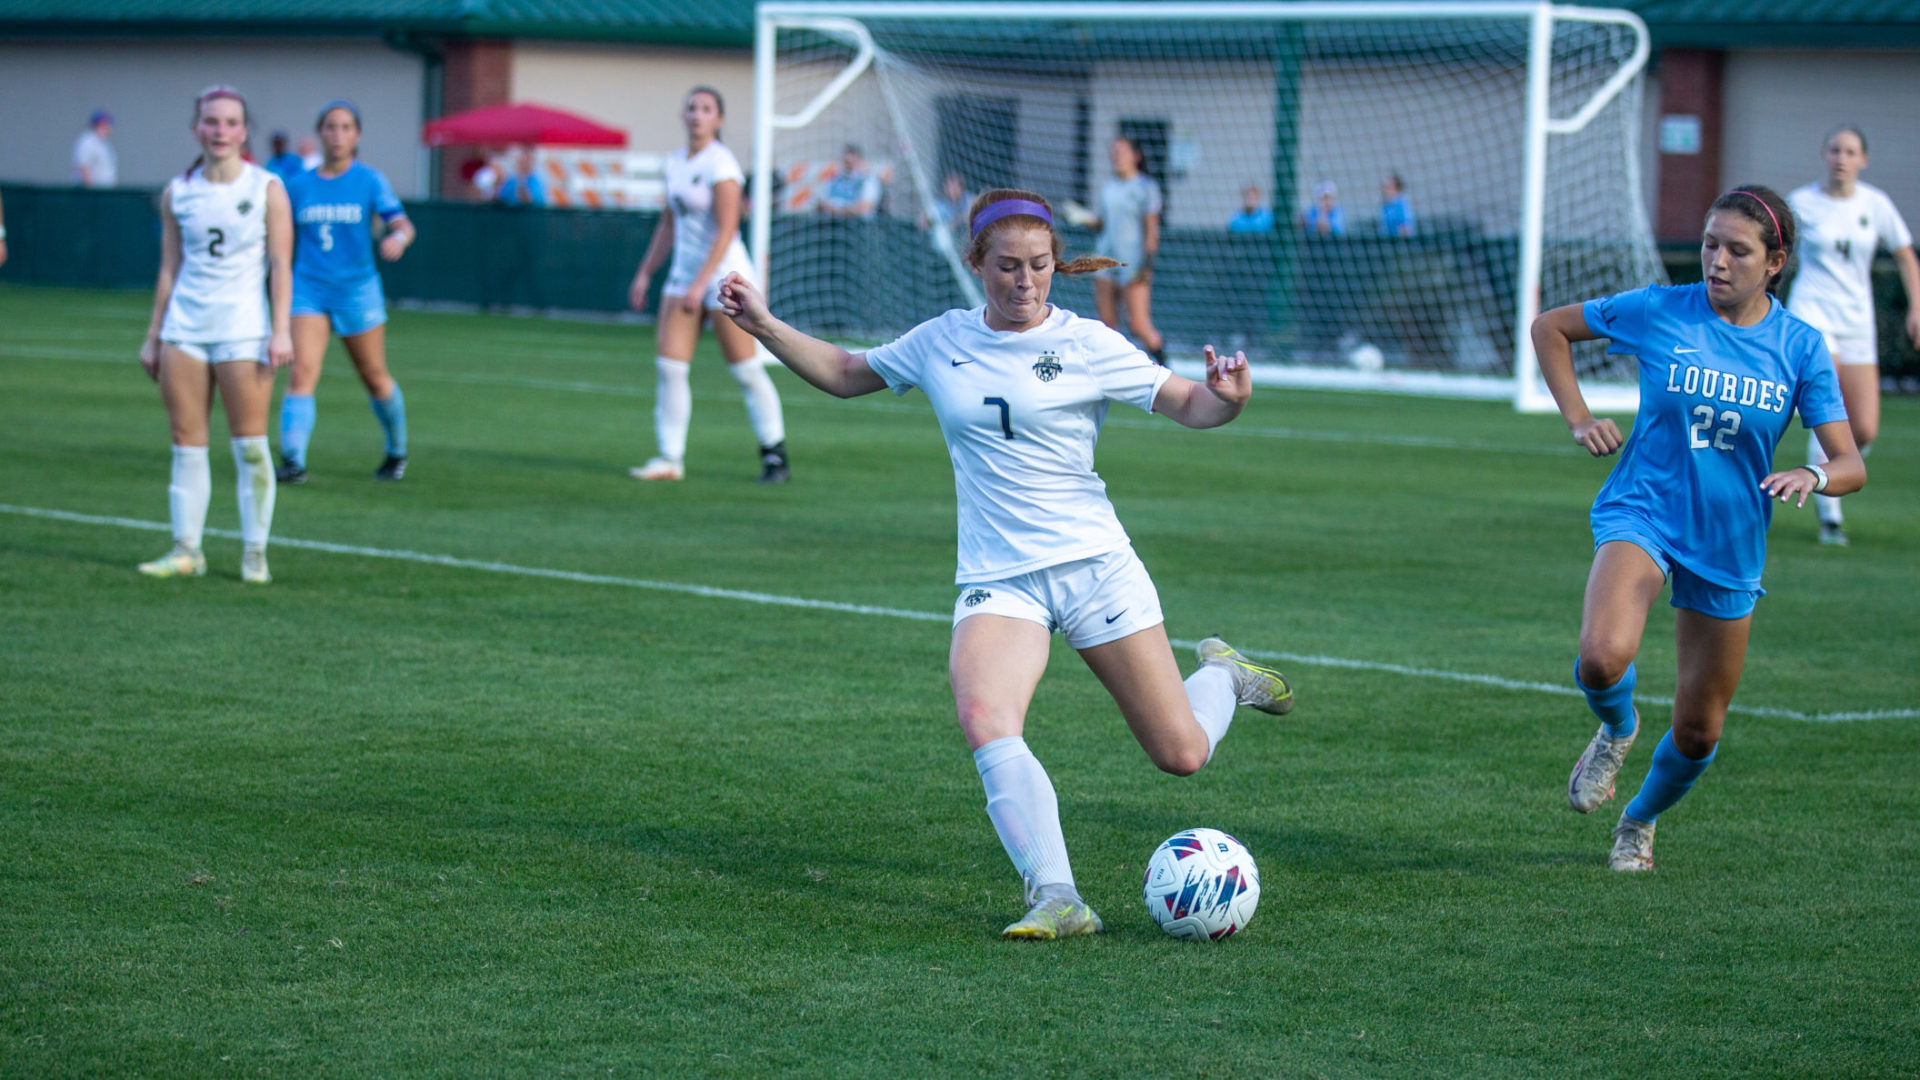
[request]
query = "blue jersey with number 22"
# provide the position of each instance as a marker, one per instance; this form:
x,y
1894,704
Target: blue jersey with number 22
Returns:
x,y
1715,399
333,223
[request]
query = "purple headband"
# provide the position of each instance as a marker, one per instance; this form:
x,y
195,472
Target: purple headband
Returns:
x,y
1006,208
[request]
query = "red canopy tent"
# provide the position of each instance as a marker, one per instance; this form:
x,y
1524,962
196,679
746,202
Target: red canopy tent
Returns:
x,y
538,125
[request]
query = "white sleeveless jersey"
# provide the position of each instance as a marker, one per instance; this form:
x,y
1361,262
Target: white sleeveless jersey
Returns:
x,y
220,293
1838,237
690,182
1021,413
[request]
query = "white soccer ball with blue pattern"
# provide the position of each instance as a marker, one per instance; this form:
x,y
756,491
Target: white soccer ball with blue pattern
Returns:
x,y
1202,885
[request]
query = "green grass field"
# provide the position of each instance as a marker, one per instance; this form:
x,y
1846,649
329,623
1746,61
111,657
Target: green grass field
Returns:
x,y
397,816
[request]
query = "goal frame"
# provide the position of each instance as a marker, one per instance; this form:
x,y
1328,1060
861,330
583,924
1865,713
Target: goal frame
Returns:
x,y
1524,387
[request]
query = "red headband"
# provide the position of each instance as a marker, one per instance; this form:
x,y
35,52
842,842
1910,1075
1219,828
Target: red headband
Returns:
x,y
1777,234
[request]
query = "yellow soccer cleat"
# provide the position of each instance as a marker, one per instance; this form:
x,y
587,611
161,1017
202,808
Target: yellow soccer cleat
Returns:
x,y
1254,685
182,561
1060,917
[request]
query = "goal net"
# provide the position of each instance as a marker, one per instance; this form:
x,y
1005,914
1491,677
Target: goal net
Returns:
x,y
1363,195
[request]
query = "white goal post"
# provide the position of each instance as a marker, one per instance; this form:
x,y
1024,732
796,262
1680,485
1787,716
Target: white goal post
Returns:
x,y
1510,128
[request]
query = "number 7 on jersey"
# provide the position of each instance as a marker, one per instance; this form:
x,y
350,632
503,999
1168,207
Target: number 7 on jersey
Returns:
x,y
1006,419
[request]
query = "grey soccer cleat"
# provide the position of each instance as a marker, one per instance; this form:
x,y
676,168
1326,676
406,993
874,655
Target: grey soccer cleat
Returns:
x,y
182,561
1254,685
1059,917
1592,780
1632,845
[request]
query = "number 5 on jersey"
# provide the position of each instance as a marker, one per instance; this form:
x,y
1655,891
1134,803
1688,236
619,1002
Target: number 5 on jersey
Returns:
x,y
1006,418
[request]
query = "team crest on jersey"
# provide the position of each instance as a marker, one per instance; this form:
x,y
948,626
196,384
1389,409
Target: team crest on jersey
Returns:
x,y
976,597
1047,367
245,205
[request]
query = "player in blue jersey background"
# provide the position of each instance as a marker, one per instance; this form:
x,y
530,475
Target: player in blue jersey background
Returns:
x,y
336,288
1723,370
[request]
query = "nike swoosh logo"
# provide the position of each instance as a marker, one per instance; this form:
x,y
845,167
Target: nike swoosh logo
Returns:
x,y
970,360
1115,615
1682,351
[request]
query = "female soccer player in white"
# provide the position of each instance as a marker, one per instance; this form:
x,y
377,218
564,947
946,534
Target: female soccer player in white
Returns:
x,y
1020,388
336,288
226,237
1842,221
700,225
1723,369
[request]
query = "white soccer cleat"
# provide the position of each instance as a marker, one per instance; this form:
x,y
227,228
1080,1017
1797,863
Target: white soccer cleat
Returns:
x,y
1254,685
1078,215
1632,845
1592,781
659,468
1060,917
182,561
253,567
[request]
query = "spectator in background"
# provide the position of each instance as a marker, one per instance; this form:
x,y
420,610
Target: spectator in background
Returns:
x,y
1396,214
1324,217
854,192
950,206
1255,215
309,151
284,163
523,187
94,165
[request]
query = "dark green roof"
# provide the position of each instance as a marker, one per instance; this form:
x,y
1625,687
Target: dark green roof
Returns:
x,y
1703,23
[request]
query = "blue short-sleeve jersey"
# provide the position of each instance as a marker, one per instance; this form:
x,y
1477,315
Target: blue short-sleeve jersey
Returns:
x,y
333,223
1715,399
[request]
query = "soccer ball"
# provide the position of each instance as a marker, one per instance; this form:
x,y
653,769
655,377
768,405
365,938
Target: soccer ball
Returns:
x,y
1202,885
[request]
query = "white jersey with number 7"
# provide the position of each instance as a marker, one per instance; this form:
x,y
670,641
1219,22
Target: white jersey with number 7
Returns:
x,y
1021,413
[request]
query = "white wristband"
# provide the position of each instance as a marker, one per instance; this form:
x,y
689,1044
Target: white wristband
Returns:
x,y
1819,476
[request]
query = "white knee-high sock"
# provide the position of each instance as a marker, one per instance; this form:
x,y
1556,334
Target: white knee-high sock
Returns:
x,y
1210,691
1025,813
763,401
188,493
1827,505
255,487
672,407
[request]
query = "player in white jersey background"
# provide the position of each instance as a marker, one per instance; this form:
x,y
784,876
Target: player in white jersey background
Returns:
x,y
1843,221
700,227
226,238
1020,389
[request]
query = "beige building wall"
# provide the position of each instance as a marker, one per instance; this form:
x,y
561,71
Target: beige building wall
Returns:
x,y
1779,105
47,88
638,88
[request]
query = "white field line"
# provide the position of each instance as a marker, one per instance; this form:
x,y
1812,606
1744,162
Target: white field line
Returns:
x,y
748,596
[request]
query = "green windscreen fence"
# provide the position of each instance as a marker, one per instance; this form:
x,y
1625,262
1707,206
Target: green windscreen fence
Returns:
x,y
503,258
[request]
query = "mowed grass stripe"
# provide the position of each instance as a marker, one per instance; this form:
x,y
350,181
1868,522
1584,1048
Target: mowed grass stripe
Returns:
x,y
717,593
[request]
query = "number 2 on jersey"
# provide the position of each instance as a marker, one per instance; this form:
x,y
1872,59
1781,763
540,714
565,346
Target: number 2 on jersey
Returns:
x,y
1006,418
213,245
1697,437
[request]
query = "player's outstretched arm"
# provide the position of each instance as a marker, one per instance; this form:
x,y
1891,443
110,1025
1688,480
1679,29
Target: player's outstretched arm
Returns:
x,y
1554,333
1845,469
1212,403
822,363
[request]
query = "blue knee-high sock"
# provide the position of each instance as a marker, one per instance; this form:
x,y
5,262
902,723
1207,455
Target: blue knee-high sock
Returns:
x,y
1672,774
296,427
392,414
1614,705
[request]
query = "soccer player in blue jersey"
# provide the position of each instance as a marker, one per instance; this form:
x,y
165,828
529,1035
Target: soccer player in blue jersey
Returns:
x,y
337,287
1723,369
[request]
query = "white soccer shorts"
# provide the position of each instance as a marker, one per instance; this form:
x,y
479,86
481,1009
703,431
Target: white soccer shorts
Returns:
x,y
1092,601
223,352
1851,349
